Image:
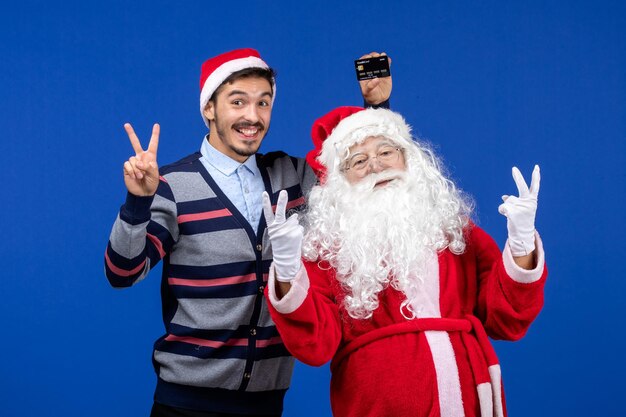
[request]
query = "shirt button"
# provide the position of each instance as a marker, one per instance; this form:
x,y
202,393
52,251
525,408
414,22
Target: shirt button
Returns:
x,y
261,288
247,375
259,247
253,332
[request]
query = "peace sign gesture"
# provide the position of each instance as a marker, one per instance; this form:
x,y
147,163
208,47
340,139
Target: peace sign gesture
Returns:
x,y
520,213
141,172
285,236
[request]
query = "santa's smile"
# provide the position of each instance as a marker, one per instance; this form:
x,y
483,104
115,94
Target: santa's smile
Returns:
x,y
383,183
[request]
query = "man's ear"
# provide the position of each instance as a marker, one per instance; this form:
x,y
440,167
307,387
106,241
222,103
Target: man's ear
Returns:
x,y
209,111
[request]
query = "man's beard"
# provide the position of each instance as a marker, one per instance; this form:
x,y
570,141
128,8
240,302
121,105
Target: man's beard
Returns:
x,y
379,236
224,133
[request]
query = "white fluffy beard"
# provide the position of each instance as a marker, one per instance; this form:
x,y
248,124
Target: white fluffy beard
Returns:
x,y
379,236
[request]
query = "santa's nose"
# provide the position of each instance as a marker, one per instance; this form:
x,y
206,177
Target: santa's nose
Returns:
x,y
374,166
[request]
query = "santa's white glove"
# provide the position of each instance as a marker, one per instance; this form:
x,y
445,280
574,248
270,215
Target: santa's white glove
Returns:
x,y
285,237
520,213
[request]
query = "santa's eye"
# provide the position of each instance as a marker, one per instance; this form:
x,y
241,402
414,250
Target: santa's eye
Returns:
x,y
358,162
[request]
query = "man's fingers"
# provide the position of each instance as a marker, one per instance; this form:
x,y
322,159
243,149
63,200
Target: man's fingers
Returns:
x,y
137,167
522,187
128,170
134,140
267,209
281,207
534,182
154,140
151,169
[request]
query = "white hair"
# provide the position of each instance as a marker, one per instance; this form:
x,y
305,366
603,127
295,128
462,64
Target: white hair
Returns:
x,y
376,237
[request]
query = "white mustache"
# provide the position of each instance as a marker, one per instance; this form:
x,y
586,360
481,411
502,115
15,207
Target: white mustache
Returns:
x,y
369,182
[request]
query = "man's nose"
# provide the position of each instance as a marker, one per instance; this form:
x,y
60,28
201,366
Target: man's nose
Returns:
x,y
252,113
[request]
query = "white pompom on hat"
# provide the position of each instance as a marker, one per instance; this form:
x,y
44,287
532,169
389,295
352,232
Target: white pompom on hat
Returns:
x,y
217,69
334,133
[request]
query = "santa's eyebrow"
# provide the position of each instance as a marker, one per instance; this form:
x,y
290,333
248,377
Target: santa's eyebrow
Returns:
x,y
387,143
380,145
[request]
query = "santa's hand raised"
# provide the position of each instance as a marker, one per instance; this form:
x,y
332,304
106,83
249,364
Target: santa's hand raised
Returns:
x,y
520,213
141,172
285,236
376,90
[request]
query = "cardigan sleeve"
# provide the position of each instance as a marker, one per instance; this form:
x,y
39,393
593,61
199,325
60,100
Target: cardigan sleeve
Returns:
x,y
312,331
143,233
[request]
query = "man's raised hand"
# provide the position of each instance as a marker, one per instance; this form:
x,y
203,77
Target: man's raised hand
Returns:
x,y
376,90
141,172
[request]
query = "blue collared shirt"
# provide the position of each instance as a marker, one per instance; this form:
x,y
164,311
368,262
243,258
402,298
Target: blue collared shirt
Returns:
x,y
242,183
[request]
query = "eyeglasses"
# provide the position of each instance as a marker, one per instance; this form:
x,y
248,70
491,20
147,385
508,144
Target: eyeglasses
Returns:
x,y
386,156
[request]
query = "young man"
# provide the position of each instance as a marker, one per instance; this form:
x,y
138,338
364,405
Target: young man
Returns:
x,y
221,354
399,288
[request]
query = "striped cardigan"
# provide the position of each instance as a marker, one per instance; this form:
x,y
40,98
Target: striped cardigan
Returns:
x,y
220,351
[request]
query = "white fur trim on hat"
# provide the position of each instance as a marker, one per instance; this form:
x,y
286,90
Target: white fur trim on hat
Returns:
x,y
355,128
220,74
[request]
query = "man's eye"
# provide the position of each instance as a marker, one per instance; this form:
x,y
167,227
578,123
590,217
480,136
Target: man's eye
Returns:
x,y
264,104
359,162
385,153
237,102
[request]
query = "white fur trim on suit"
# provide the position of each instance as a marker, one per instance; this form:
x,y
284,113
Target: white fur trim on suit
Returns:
x,y
357,127
296,295
496,381
444,359
218,76
448,382
524,276
485,399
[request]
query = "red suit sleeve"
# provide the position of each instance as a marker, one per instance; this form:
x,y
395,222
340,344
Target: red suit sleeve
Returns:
x,y
312,332
509,298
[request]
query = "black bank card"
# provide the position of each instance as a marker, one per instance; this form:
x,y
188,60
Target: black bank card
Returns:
x,y
369,68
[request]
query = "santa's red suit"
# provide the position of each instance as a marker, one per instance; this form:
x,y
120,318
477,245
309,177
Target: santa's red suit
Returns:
x,y
440,364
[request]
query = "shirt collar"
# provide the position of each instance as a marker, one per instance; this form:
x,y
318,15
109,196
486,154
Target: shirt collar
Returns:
x,y
223,163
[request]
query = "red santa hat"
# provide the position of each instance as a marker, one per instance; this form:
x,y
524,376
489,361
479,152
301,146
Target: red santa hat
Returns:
x,y
215,71
334,133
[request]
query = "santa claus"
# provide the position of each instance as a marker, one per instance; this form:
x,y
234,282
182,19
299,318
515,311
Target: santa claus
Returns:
x,y
396,286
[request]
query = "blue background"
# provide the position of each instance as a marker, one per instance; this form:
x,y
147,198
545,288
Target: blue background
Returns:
x,y
491,84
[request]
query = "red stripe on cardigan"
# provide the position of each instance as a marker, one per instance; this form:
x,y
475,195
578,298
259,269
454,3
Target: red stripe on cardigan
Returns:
x,y
207,215
239,279
123,272
217,344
